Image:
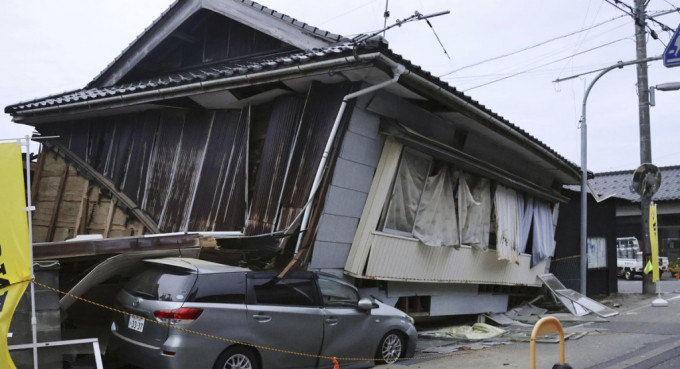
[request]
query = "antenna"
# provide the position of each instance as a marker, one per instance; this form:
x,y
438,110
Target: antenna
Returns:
x,y
386,15
415,17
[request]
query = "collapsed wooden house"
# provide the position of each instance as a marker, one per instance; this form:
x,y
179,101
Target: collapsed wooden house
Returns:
x,y
227,124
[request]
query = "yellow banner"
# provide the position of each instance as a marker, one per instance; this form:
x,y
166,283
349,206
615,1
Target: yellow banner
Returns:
x,y
15,263
654,242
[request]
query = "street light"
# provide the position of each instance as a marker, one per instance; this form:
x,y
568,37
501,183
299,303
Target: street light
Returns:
x,y
670,86
584,164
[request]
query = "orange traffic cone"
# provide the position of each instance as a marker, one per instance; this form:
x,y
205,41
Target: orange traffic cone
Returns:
x,y
335,362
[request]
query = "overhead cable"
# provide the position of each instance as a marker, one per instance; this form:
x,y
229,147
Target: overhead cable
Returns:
x,y
633,14
529,47
543,65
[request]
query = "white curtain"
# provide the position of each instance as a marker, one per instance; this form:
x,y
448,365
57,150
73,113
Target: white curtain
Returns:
x,y
436,223
507,227
474,208
406,194
543,245
525,208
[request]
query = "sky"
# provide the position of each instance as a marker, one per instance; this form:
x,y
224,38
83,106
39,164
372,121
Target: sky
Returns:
x,y
504,54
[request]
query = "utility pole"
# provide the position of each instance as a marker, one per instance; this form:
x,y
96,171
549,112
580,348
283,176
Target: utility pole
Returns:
x,y
645,136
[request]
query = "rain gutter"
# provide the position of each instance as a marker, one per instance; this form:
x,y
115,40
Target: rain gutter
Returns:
x,y
166,93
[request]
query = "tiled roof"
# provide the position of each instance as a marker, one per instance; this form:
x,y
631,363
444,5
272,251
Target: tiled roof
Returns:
x,y
241,67
319,32
619,183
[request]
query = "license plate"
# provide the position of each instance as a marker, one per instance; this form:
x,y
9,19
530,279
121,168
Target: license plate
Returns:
x,y
136,324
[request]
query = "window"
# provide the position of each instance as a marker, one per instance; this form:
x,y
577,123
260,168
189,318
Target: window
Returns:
x,y
161,284
336,294
299,292
407,191
423,204
222,288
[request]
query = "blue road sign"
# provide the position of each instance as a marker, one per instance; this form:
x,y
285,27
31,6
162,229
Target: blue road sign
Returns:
x,y
671,56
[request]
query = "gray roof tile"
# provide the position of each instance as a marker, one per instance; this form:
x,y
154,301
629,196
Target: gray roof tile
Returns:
x,y
619,183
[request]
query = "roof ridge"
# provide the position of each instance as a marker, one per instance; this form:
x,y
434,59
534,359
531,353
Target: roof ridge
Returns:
x,y
631,171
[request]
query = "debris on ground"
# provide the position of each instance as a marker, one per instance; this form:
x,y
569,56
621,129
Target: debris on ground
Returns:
x,y
477,331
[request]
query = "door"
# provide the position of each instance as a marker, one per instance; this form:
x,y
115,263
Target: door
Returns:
x,y
285,316
348,331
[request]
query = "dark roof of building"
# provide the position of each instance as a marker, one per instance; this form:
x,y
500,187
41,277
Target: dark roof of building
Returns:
x,y
260,64
326,35
619,184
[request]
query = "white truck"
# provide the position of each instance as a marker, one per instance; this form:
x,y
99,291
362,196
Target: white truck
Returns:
x,y
629,258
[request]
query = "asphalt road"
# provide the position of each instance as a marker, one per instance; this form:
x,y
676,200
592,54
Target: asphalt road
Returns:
x,y
667,284
641,336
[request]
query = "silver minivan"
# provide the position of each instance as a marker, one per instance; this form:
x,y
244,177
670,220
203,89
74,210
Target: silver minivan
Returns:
x,y
190,313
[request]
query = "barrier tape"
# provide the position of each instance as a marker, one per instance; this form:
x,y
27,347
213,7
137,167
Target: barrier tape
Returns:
x,y
334,359
566,258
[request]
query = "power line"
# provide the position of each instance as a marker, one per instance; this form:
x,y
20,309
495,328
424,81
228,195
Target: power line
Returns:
x,y
637,21
582,38
543,65
530,47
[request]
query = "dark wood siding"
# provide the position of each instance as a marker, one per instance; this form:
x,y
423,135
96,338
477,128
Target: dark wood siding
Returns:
x,y
205,38
321,108
273,165
195,169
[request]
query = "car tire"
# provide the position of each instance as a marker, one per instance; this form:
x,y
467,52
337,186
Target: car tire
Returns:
x,y
237,358
628,274
391,348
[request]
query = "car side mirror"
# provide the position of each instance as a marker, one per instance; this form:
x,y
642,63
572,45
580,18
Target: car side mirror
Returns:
x,y
366,304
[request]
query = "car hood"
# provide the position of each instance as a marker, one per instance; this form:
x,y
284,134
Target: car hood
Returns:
x,y
387,310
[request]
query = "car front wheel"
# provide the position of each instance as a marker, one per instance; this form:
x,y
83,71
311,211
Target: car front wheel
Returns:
x,y
391,348
237,358
628,274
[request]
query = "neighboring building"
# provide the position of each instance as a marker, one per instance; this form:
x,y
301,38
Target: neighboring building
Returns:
x,y
215,121
628,216
613,212
601,236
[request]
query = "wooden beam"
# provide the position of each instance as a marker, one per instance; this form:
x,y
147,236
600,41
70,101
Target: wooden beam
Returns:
x,y
109,217
57,203
80,222
127,202
184,37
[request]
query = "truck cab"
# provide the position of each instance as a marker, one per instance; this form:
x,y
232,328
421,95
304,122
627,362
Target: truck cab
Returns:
x,y
629,258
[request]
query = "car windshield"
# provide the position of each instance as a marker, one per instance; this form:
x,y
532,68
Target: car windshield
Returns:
x,y
162,284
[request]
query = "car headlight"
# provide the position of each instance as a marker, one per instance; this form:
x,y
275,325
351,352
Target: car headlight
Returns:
x,y
408,317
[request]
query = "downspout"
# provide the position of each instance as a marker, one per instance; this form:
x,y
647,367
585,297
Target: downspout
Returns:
x,y
397,71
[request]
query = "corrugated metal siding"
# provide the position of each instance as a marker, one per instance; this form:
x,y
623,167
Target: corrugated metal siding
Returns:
x,y
162,164
321,108
174,163
219,203
141,144
186,169
231,213
400,258
273,165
